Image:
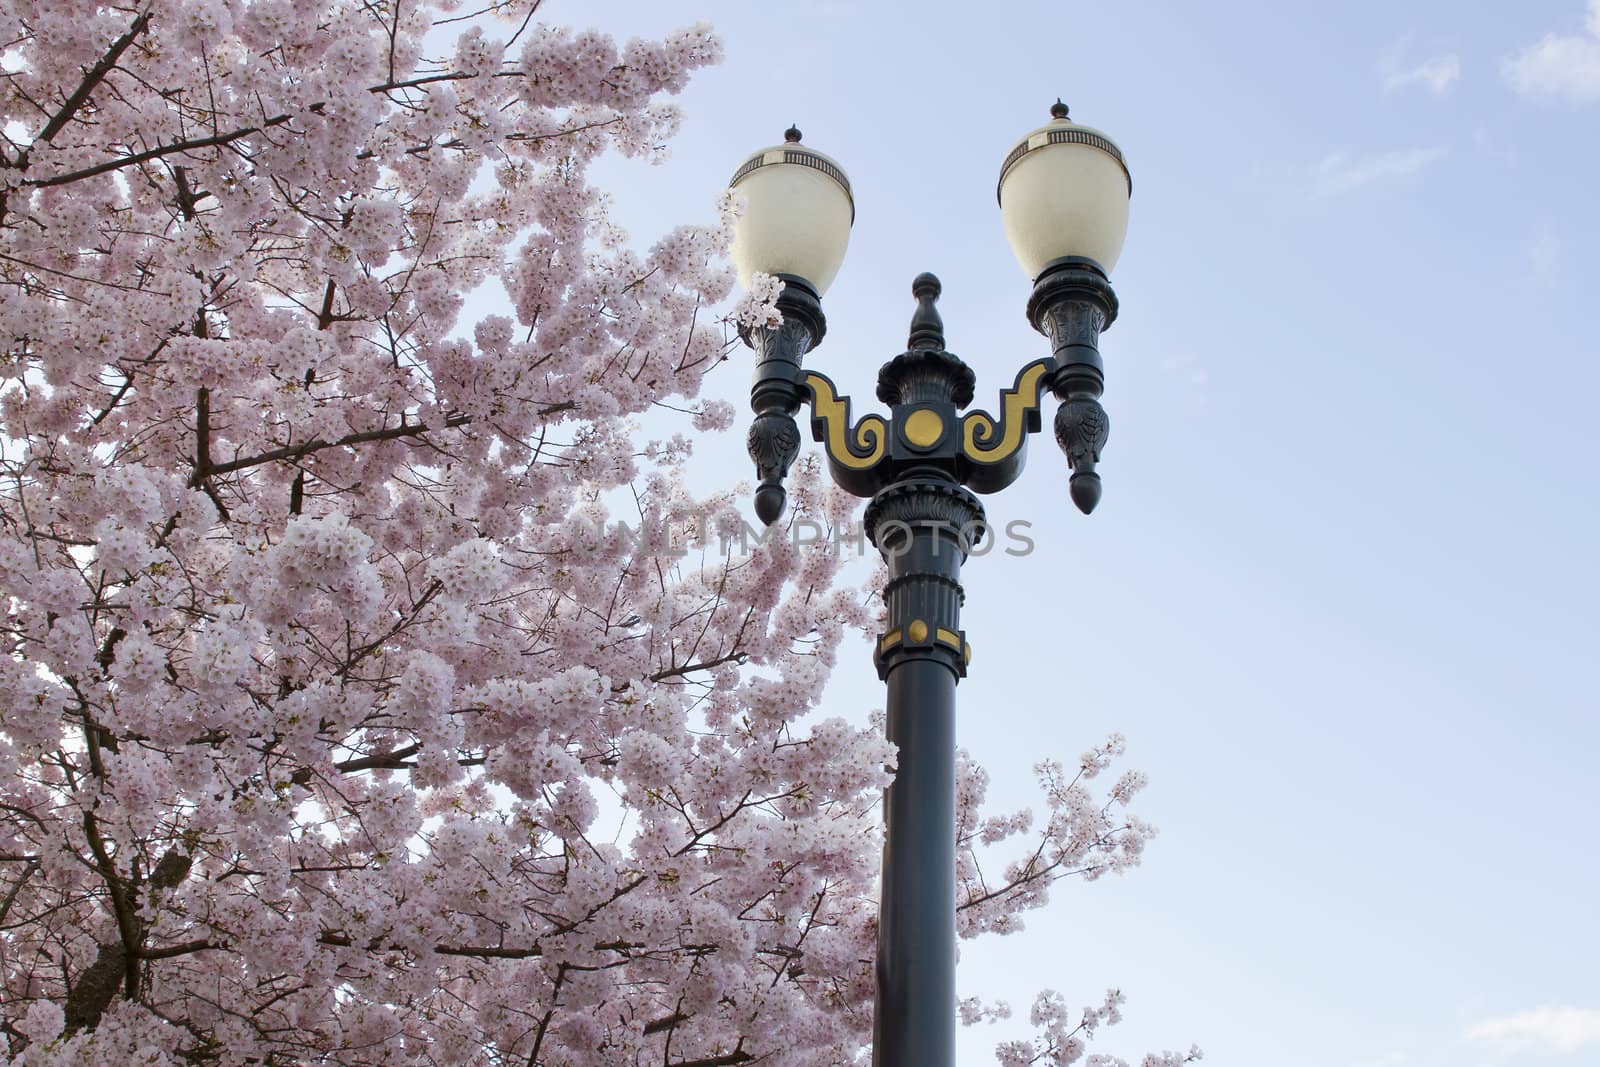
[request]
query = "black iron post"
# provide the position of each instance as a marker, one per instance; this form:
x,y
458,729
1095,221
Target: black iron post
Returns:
x,y
924,523
921,526
921,467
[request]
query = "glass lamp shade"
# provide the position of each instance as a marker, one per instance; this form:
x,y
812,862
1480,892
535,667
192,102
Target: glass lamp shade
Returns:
x,y
1064,191
797,216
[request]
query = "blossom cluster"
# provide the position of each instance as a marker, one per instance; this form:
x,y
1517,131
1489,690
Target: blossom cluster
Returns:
x,y
316,734
1064,1037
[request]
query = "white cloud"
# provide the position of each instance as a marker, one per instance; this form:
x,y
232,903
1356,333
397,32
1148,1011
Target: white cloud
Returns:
x,y
1436,75
1560,65
1560,1029
1339,173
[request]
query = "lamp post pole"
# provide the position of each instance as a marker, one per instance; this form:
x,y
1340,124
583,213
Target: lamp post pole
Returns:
x,y
924,522
922,467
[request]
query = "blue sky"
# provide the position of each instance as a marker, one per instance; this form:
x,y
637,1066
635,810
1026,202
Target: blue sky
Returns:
x,y
1340,593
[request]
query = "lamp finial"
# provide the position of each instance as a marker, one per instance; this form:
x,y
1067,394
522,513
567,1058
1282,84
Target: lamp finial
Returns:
x,y
791,135
927,328
1058,109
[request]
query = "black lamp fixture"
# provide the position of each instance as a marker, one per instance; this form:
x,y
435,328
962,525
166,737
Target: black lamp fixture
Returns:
x,y
1063,195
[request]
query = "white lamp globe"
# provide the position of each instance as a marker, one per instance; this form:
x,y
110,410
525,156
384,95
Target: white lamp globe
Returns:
x,y
1064,191
797,215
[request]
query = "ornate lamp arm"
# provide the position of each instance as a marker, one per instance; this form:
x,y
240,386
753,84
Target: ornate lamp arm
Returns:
x,y
856,451
778,390
926,387
995,449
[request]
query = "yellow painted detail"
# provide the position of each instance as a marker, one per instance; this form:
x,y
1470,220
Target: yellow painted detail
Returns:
x,y
979,434
966,654
948,637
924,427
890,639
871,434
917,631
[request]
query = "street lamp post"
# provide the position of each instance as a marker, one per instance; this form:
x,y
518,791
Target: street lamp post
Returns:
x,y
1064,201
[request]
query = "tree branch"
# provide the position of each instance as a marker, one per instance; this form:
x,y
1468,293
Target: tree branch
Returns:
x,y
91,78
134,158
316,444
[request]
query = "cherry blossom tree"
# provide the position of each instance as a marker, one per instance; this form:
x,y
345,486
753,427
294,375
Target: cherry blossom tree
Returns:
x,y
340,722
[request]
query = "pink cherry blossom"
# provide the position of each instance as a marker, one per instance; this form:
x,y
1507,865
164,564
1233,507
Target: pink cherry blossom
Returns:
x,y
339,722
